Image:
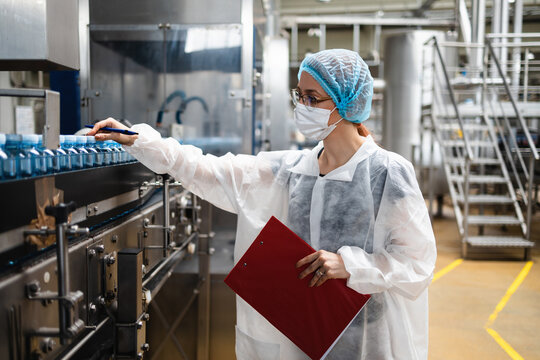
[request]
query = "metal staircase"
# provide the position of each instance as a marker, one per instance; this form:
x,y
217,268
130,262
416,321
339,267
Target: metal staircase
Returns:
x,y
489,178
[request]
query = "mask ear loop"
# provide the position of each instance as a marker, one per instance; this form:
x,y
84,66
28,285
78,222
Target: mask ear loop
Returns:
x,y
337,122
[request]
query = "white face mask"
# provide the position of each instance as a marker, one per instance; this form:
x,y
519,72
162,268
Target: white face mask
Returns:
x,y
313,122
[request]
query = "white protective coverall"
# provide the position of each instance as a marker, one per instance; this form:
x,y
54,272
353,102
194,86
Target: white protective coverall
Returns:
x,y
369,210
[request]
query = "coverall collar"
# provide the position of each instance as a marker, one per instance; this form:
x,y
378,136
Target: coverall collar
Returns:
x,y
309,164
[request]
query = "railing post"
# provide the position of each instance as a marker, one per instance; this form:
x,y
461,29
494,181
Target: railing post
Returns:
x,y
466,208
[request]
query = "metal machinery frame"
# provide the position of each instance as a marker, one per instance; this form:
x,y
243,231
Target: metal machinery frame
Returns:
x,y
112,256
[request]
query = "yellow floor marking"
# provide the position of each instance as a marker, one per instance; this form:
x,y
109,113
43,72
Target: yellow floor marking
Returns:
x,y
506,346
511,290
446,269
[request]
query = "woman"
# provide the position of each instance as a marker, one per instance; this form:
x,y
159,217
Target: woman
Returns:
x,y
357,204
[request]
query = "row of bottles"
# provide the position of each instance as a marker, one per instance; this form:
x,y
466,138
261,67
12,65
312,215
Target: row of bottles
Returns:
x,y
24,155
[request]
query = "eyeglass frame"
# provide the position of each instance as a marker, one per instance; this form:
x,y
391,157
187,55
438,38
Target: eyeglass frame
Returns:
x,y
296,98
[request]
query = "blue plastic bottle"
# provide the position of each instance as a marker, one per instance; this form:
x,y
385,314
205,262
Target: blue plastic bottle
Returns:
x,y
74,156
47,157
30,163
3,155
61,161
115,154
12,166
92,153
107,152
80,146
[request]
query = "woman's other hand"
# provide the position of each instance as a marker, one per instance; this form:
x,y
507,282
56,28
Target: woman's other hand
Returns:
x,y
112,123
325,265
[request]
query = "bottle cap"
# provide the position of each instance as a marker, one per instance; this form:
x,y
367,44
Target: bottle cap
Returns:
x,y
70,138
2,139
30,138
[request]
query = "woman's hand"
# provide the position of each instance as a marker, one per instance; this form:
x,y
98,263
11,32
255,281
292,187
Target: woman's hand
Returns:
x,y
326,265
119,138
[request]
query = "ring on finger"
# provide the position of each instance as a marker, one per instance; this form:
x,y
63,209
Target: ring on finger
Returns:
x,y
320,273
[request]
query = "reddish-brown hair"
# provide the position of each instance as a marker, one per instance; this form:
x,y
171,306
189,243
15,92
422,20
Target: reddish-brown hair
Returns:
x,y
362,130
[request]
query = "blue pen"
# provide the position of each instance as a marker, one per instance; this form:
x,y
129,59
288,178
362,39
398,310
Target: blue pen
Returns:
x,y
121,131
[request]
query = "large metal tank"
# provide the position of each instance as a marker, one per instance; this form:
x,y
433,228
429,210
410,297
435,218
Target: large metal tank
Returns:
x,y
403,58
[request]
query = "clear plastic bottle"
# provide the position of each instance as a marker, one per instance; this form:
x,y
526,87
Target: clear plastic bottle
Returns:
x,y
48,155
74,156
115,154
61,161
91,159
30,164
12,166
106,151
80,146
3,155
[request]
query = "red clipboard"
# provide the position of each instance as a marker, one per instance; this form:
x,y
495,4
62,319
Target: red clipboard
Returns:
x,y
267,279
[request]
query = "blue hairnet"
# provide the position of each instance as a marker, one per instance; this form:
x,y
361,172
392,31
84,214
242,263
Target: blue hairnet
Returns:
x,y
346,79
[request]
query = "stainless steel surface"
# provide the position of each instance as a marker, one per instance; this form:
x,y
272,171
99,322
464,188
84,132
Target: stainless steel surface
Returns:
x,y
493,220
39,35
164,11
500,241
276,99
92,271
127,69
403,91
84,56
248,146
289,21
322,37
103,206
51,129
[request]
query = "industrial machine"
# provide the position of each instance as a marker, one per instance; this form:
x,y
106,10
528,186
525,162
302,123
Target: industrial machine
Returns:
x,y
79,286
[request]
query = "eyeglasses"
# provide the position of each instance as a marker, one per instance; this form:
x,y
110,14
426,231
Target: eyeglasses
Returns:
x,y
308,100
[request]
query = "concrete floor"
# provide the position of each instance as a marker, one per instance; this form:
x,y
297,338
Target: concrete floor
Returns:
x,y
462,300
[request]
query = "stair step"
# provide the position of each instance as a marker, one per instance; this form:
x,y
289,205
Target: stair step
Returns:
x,y
476,161
461,143
493,220
471,127
499,241
479,179
487,199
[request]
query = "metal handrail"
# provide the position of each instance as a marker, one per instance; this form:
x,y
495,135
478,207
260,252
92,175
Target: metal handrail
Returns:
x,y
468,149
513,101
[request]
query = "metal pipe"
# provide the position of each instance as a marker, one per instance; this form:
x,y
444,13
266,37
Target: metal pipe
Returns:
x,y
466,206
166,215
516,110
322,37
294,43
512,35
516,52
377,42
504,30
64,315
356,38
290,21
81,343
526,76
496,28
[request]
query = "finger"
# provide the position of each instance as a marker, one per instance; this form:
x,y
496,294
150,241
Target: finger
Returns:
x,y
321,280
109,122
317,278
311,268
307,259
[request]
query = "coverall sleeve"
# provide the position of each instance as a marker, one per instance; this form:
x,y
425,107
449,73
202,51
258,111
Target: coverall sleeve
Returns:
x,y
222,181
404,251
